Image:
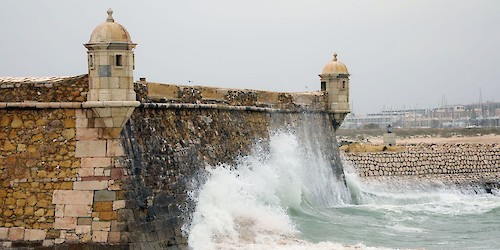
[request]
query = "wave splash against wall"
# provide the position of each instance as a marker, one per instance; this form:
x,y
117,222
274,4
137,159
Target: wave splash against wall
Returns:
x,y
247,204
286,197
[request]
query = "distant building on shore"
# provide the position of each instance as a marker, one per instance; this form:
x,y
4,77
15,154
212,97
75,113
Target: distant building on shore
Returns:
x,y
448,116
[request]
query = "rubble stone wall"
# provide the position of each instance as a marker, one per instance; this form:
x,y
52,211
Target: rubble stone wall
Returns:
x,y
48,89
37,157
450,163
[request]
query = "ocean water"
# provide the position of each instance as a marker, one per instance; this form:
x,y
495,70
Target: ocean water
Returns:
x,y
287,197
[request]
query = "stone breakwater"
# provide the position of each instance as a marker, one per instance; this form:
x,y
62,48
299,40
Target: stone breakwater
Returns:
x,y
449,163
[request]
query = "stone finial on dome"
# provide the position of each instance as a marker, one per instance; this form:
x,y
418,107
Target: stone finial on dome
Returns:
x,y
335,56
110,16
110,32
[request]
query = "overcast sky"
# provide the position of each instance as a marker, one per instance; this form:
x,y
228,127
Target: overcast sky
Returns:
x,y
399,53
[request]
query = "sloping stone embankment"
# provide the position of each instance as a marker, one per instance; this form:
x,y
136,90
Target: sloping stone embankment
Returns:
x,y
450,163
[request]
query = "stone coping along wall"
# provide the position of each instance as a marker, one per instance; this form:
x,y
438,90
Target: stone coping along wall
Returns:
x,y
170,93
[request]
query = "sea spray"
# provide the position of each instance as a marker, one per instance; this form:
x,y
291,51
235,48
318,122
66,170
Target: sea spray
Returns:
x,y
403,213
287,196
248,203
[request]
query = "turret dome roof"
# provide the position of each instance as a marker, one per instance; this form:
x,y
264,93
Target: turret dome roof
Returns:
x,y
110,32
335,67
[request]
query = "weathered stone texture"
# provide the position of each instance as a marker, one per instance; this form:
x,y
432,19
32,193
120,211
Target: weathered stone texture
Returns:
x,y
450,163
168,148
167,93
63,89
37,156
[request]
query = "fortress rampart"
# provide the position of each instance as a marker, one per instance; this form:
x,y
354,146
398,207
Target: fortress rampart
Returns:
x,y
460,164
66,180
101,160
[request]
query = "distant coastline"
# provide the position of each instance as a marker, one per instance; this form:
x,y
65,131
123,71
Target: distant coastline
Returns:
x,y
423,135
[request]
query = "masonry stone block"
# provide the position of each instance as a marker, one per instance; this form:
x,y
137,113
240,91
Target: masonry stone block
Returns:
x,y
80,113
101,162
85,172
99,236
48,243
90,185
59,241
113,83
111,215
99,171
53,233
72,197
83,229
119,95
117,173
65,223
16,233
96,148
115,148
81,123
4,233
84,221
87,134
101,226
103,206
118,204
34,234
59,210
105,195
77,210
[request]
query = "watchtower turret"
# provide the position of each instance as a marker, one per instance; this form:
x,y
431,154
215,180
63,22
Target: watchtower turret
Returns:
x,y
335,80
111,71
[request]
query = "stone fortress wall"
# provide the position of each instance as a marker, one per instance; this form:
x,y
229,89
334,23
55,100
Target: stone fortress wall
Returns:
x,y
52,191
222,98
178,131
449,163
66,180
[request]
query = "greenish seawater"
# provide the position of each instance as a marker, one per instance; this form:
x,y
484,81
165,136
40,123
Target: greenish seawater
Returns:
x,y
401,215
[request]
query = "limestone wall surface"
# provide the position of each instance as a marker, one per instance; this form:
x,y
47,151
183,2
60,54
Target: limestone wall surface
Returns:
x,y
450,163
37,157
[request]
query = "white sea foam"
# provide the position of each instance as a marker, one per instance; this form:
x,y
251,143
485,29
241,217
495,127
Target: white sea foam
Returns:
x,y
247,206
403,197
